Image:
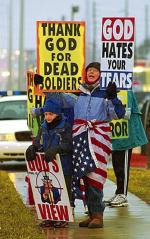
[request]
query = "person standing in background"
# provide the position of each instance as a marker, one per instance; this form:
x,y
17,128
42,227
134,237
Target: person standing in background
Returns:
x,y
122,152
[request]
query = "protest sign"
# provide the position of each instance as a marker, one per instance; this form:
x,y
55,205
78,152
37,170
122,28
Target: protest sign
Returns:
x,y
119,127
33,101
60,55
117,54
49,189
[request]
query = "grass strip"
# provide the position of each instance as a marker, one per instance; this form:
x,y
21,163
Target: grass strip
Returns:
x,y
139,182
16,221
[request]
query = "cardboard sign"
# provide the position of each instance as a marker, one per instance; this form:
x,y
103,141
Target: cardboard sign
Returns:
x,y
117,54
33,101
60,55
49,189
119,128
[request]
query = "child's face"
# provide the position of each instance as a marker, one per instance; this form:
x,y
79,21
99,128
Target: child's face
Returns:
x,y
92,74
49,116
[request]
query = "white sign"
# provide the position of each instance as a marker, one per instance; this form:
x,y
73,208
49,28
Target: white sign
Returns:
x,y
49,189
117,54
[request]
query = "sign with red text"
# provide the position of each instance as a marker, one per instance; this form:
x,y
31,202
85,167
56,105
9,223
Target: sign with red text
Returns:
x,y
60,55
117,52
49,189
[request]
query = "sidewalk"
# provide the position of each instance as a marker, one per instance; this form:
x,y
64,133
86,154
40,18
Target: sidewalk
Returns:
x,y
132,222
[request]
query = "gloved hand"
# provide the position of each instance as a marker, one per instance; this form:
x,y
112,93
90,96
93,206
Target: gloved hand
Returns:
x,y
51,153
38,79
36,111
33,111
111,91
127,113
31,152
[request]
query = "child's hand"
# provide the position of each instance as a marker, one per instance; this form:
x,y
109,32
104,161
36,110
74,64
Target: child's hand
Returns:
x,y
50,154
31,152
36,111
33,112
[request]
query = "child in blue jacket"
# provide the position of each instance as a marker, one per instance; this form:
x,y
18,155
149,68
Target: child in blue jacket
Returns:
x,y
56,136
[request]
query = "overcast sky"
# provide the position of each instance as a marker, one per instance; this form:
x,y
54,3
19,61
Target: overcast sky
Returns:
x,y
55,9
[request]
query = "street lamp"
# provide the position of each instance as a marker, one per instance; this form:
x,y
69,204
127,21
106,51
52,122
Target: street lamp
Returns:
x,y
74,10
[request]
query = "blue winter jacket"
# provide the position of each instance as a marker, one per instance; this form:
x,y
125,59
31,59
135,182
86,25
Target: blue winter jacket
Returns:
x,y
60,136
90,105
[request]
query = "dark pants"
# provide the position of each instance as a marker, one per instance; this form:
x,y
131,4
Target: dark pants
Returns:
x,y
121,165
94,200
68,180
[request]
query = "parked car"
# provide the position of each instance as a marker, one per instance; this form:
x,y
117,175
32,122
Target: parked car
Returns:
x,y
15,135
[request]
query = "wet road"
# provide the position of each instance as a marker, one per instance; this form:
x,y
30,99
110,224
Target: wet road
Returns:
x,y
132,222
18,178
17,173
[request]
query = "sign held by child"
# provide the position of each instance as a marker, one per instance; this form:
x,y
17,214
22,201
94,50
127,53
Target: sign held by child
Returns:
x,y
49,189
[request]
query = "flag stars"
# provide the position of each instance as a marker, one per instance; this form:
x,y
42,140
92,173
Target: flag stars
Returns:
x,y
83,160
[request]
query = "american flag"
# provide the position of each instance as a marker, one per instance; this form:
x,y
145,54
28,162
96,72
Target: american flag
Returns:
x,y
92,146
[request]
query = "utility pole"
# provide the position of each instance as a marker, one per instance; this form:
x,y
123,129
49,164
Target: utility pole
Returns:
x,y
126,8
63,18
9,83
94,30
146,31
74,10
88,35
21,79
